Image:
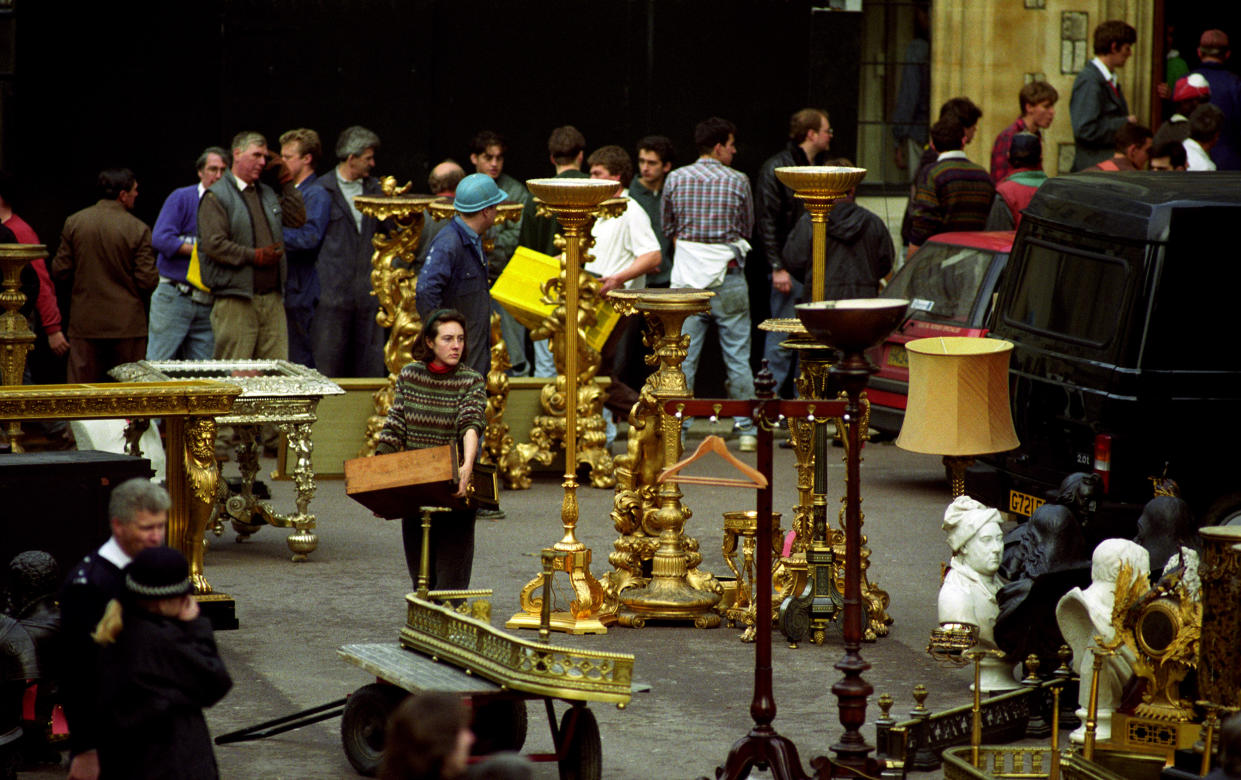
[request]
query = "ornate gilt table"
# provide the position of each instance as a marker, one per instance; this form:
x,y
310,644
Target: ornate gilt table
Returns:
x,y
189,409
272,391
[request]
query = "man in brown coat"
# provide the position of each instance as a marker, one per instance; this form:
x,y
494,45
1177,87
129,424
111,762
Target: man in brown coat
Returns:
x,y
106,251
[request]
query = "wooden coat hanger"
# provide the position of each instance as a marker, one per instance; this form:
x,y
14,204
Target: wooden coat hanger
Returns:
x,y
754,479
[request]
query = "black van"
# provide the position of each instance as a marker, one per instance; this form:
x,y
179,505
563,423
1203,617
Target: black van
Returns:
x,y
1120,296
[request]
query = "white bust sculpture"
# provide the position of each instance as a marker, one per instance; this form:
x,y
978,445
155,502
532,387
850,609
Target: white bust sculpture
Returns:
x,y
1085,614
967,594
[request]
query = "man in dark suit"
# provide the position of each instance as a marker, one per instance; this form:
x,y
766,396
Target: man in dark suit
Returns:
x,y
346,339
1097,107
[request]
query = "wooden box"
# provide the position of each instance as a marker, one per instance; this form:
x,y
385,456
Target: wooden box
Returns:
x,y
396,485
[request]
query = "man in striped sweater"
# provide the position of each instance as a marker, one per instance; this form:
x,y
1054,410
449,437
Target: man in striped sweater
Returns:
x,y
954,193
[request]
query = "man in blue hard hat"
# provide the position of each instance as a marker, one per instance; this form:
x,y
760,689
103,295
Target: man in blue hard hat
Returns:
x,y
454,275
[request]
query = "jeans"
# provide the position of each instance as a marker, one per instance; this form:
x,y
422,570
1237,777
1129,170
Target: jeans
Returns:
x,y
781,361
514,335
730,308
544,361
179,328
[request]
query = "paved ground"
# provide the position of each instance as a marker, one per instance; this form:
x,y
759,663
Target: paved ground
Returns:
x,y
294,617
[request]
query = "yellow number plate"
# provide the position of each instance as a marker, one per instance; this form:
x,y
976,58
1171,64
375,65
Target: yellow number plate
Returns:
x,y
1023,503
897,356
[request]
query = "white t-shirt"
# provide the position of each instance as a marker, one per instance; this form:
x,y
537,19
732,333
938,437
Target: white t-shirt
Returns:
x,y
619,240
1196,158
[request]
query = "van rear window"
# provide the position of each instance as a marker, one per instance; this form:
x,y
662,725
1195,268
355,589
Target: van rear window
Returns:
x,y
1076,296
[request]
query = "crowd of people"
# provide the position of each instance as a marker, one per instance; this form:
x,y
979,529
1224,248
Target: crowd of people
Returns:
x,y
267,256
1203,133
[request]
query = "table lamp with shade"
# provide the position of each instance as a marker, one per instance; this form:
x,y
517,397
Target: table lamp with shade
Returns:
x,y
958,401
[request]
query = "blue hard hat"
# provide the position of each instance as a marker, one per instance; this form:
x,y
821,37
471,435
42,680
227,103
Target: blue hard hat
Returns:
x,y
476,192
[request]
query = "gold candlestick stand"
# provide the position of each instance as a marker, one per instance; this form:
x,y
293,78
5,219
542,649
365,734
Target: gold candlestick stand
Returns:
x,y
16,337
574,202
550,426
650,516
822,546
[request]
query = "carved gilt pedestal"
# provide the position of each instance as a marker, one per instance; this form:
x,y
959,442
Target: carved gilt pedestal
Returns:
x,y
649,516
393,286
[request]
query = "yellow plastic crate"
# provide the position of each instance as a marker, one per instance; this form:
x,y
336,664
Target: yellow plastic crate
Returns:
x,y
519,289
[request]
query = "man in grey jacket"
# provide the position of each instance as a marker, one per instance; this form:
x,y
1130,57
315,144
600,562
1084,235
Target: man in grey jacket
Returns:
x,y
242,251
347,340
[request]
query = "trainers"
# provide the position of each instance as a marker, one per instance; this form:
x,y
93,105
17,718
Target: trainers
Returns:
x,y
747,442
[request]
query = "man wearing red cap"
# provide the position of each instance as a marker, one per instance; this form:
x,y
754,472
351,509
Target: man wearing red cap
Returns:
x,y
1191,91
1225,93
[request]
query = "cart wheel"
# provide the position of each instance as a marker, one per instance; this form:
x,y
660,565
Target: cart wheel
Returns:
x,y
362,724
583,758
499,725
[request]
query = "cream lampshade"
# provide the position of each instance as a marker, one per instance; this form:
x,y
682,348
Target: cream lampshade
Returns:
x,y
958,401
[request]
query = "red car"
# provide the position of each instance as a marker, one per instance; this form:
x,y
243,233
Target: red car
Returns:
x,y
950,283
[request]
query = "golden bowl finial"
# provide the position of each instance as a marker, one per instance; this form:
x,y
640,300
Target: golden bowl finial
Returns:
x,y
820,179
572,193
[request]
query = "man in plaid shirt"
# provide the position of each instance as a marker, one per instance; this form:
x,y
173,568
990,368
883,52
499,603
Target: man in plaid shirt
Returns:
x,y
708,210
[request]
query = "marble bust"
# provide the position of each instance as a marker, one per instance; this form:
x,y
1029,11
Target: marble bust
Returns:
x,y
1084,614
968,592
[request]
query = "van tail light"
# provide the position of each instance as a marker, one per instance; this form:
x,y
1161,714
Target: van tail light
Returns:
x,y
1103,459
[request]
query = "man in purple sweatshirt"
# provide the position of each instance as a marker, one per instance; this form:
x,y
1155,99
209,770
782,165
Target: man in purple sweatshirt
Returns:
x,y
180,321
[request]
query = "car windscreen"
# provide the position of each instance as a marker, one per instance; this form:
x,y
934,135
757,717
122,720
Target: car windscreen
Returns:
x,y
942,281
1073,294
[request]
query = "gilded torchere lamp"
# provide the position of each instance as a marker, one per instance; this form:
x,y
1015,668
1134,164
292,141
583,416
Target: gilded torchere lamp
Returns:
x,y
852,326
958,401
819,188
574,202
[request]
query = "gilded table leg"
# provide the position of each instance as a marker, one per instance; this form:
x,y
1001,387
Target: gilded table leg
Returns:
x,y
192,479
303,540
202,475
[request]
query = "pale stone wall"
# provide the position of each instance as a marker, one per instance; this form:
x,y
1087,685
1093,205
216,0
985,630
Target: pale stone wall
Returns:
x,y
982,49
